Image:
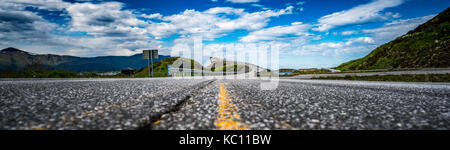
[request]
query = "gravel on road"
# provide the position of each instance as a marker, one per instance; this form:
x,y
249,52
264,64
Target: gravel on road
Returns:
x,y
192,104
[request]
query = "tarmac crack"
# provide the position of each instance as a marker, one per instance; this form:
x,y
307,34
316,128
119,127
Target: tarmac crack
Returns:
x,y
154,119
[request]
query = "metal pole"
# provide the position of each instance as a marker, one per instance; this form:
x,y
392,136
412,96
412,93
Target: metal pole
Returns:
x,y
148,61
152,66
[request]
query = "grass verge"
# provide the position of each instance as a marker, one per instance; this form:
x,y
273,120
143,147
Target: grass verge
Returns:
x,y
395,78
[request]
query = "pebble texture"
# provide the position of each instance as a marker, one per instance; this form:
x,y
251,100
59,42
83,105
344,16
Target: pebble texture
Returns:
x,y
89,103
176,104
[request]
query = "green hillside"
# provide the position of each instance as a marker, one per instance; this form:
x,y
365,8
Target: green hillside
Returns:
x,y
427,46
160,67
229,68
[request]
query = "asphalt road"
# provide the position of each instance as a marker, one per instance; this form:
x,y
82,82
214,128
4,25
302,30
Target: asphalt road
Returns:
x,y
190,104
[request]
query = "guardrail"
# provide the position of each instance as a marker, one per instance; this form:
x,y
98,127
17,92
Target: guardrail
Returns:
x,y
178,72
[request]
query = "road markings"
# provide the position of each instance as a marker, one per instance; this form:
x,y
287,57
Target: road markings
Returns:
x,y
228,116
37,128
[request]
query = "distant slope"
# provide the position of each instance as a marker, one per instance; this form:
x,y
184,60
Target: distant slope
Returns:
x,y
160,67
427,46
106,63
15,59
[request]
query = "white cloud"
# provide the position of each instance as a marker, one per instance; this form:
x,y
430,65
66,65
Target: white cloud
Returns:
x,y
394,29
110,30
386,33
348,32
333,49
330,45
361,14
259,5
152,16
212,23
243,1
377,36
188,22
393,15
116,31
329,49
367,40
277,32
113,30
23,26
104,19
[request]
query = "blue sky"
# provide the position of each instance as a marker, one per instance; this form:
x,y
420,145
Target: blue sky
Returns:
x,y
310,33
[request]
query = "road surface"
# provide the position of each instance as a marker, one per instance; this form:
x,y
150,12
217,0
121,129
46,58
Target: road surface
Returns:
x,y
214,104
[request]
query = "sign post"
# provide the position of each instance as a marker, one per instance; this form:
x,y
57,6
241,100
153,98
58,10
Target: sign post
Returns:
x,y
150,55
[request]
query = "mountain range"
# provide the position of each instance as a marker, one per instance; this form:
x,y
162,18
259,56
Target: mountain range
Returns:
x,y
15,59
427,46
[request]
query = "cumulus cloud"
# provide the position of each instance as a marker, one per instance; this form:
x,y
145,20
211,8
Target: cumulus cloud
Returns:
x,y
368,40
152,16
332,49
23,25
104,28
213,23
115,31
277,32
361,14
329,49
105,19
396,28
376,36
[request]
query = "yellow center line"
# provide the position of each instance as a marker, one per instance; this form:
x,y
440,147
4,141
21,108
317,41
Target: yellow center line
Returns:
x,y
228,117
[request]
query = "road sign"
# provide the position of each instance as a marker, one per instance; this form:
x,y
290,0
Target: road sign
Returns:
x,y
150,54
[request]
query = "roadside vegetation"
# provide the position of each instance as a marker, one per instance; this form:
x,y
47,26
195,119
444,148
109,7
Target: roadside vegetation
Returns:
x,y
160,68
395,78
229,68
303,71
